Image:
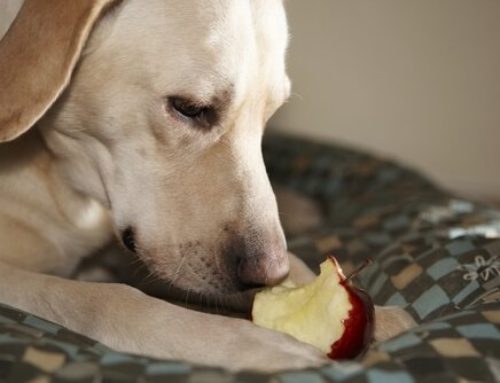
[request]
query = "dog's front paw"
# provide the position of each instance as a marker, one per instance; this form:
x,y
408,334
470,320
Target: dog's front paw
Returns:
x,y
258,349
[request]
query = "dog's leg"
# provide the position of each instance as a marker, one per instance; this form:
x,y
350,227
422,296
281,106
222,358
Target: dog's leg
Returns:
x,y
125,319
298,213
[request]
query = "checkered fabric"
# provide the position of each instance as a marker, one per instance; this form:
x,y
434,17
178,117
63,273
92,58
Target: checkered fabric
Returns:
x,y
435,255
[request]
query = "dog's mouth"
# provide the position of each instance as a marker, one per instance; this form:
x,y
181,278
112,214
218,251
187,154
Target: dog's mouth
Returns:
x,y
217,298
237,303
205,282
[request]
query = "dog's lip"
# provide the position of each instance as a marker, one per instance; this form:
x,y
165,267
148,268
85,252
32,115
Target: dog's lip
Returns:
x,y
242,301
239,303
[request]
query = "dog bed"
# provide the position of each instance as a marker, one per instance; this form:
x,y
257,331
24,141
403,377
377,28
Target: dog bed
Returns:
x,y
435,255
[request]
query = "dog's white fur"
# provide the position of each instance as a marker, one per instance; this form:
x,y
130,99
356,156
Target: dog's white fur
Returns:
x,y
112,153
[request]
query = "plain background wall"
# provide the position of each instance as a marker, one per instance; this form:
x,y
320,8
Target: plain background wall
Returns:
x,y
416,80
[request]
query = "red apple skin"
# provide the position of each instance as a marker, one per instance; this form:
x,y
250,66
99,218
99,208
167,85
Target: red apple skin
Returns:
x,y
359,325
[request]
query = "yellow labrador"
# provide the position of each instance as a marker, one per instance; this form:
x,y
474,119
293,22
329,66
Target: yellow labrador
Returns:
x,y
143,119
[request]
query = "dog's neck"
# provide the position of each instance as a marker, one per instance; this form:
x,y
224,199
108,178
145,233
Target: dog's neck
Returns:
x,y
34,195
42,219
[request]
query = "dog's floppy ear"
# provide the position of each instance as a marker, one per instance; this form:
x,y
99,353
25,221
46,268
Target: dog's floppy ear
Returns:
x,y
37,57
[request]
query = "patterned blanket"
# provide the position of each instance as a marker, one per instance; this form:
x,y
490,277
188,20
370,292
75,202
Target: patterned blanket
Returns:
x,y
435,255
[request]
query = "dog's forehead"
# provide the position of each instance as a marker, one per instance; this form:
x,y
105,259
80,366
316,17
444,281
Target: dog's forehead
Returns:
x,y
201,45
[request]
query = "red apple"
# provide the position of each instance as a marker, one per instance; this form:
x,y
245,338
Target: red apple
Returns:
x,y
329,313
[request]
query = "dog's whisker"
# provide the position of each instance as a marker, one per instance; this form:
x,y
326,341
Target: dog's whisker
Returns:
x,y
177,271
296,95
187,298
153,278
216,305
136,260
140,267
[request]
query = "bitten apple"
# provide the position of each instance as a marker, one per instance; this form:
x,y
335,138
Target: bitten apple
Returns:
x,y
329,313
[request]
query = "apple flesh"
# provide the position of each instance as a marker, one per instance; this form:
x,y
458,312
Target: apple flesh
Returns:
x,y
329,313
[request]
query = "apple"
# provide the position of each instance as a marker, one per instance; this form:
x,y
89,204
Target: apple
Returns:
x,y
329,313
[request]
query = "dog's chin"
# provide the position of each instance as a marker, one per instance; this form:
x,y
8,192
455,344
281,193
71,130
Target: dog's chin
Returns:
x,y
231,298
229,301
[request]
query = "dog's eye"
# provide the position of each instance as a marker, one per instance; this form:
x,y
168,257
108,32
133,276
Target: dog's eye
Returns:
x,y
201,115
196,114
187,108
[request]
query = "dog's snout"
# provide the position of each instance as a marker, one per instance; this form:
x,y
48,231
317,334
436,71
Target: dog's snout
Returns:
x,y
128,239
259,266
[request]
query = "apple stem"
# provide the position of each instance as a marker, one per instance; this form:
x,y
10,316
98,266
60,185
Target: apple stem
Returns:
x,y
368,261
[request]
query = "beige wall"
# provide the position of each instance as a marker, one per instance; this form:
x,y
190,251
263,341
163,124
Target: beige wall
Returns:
x,y
417,80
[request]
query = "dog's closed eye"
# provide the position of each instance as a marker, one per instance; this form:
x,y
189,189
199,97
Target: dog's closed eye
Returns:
x,y
202,116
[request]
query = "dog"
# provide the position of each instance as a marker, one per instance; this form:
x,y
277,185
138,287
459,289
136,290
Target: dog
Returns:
x,y
143,121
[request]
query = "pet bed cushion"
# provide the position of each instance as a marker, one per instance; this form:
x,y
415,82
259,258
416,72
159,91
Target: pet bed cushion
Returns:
x,y
435,255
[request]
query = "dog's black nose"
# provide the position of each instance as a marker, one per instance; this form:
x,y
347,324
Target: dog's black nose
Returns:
x,y
128,239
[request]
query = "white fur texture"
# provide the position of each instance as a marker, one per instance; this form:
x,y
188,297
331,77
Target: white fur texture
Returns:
x,y
111,153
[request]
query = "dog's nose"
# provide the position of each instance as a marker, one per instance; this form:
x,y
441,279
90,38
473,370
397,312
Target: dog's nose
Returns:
x,y
264,267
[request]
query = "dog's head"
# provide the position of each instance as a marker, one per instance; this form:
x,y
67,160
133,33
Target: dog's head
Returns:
x,y
162,124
